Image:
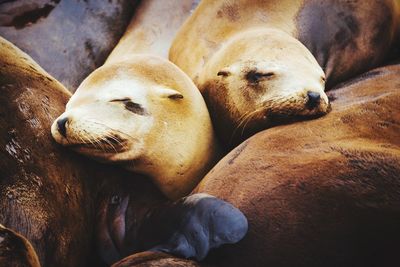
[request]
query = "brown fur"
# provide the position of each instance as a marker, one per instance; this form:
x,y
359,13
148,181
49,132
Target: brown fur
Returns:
x,y
342,37
324,192
16,250
156,259
346,37
42,187
47,193
50,195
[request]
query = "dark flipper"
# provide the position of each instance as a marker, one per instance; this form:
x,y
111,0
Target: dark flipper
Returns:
x,y
198,223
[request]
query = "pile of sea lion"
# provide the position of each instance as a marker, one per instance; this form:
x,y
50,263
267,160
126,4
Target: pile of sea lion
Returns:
x,y
302,169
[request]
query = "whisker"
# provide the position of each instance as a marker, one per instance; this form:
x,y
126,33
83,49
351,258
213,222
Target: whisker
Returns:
x,y
248,119
112,129
112,137
95,141
109,143
241,119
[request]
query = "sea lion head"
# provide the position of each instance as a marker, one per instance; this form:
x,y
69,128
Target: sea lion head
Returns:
x,y
259,76
139,113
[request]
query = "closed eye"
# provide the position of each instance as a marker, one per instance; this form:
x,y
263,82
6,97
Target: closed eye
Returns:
x,y
256,76
120,100
132,106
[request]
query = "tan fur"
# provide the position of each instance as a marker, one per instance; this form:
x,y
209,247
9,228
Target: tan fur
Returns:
x,y
216,49
153,28
193,45
171,139
245,37
311,188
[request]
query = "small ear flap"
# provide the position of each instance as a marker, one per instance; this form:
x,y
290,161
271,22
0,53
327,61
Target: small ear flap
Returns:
x,y
169,93
224,72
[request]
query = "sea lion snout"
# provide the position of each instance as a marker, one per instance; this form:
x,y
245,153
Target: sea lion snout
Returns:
x,y
61,126
313,99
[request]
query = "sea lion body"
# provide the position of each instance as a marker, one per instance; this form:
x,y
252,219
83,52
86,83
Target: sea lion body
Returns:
x,y
141,111
46,192
153,28
237,72
323,192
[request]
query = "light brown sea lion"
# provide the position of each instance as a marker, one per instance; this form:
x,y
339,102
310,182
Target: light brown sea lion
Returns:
x,y
256,62
324,192
67,205
142,112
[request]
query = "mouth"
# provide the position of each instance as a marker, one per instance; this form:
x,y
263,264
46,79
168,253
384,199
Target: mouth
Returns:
x,y
108,144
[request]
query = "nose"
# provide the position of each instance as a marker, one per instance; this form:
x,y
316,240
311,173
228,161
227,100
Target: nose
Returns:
x,y
313,99
61,126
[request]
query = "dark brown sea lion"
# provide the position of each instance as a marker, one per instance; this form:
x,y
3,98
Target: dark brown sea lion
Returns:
x,y
45,191
256,62
324,192
67,38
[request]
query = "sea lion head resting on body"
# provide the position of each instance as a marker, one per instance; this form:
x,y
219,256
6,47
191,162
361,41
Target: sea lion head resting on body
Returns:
x,y
259,75
145,114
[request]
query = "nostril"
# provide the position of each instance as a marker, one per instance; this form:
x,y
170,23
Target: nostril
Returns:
x,y
313,99
61,123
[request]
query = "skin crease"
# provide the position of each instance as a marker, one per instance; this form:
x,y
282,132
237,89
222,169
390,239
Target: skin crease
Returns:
x,y
16,250
221,58
140,111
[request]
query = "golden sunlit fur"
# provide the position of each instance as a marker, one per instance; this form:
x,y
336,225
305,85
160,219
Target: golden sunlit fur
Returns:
x,y
144,113
248,65
171,141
